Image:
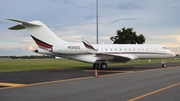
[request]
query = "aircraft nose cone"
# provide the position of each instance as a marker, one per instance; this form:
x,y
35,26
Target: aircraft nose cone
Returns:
x,y
173,54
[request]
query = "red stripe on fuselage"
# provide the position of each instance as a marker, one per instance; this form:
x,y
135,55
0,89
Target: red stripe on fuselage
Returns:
x,y
42,44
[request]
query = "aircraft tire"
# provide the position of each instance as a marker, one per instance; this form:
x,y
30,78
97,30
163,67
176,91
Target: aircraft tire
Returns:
x,y
103,66
163,65
96,66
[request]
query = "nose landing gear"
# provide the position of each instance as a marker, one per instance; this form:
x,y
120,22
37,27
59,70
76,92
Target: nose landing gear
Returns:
x,y
163,63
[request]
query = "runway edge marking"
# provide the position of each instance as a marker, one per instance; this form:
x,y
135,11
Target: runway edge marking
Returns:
x,y
153,92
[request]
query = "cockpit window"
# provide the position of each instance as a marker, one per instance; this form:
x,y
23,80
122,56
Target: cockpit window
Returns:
x,y
165,48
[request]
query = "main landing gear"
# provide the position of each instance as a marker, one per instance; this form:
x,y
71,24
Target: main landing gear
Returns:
x,y
101,65
163,63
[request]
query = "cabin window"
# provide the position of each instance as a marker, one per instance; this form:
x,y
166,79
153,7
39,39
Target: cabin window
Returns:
x,y
106,49
125,49
119,49
115,49
111,49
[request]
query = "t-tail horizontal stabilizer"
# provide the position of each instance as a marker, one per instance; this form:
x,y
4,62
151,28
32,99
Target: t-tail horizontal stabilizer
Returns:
x,y
89,47
17,27
21,25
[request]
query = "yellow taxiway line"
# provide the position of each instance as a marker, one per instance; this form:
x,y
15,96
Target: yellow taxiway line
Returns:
x,y
153,92
11,84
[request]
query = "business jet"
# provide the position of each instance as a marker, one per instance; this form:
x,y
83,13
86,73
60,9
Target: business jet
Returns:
x,y
98,54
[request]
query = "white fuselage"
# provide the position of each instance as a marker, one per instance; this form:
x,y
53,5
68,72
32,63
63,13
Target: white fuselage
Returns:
x,y
78,51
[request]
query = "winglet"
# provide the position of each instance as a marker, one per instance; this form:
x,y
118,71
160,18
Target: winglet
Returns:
x,y
89,47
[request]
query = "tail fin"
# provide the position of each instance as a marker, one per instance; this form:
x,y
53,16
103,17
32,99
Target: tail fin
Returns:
x,y
41,34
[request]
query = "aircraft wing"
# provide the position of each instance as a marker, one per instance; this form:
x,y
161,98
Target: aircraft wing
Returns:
x,y
114,57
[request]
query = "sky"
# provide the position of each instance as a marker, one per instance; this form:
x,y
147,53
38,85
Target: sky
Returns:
x,y
72,20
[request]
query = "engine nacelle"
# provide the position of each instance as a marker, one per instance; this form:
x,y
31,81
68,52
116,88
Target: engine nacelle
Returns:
x,y
75,48
42,51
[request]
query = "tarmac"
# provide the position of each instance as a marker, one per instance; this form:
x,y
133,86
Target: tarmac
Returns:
x,y
119,83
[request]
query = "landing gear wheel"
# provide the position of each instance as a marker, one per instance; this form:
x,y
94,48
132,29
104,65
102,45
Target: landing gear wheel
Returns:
x,y
103,66
96,66
163,65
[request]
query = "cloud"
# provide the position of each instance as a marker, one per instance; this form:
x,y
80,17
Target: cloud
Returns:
x,y
130,6
31,48
72,20
170,41
175,4
121,19
16,52
172,46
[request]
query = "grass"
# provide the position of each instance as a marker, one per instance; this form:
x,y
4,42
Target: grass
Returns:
x,y
17,65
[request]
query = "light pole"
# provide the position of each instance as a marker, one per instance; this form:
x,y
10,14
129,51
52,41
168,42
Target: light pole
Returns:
x,y
97,21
